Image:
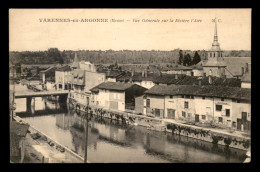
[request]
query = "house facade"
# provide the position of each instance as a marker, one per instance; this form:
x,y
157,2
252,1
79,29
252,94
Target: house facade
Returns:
x,y
116,95
203,104
63,78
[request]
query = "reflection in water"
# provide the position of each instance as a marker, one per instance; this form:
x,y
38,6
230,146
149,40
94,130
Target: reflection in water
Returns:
x,y
112,141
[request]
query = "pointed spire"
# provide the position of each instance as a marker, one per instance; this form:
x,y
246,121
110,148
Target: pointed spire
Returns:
x,y
216,33
215,44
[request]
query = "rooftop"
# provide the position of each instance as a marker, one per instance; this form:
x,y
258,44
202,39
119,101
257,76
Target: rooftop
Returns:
x,y
212,91
64,68
118,86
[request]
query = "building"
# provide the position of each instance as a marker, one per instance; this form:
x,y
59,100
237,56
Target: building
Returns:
x,y
84,77
215,65
63,78
116,95
223,106
144,78
78,92
197,70
176,69
246,76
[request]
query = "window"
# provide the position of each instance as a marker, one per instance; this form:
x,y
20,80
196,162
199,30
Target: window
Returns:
x,y
192,97
220,119
186,105
203,97
203,116
182,96
183,114
228,112
222,99
171,97
218,107
147,102
238,101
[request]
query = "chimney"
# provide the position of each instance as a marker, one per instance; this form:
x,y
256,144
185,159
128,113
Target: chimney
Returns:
x,y
160,74
246,70
249,67
132,73
176,76
143,74
242,71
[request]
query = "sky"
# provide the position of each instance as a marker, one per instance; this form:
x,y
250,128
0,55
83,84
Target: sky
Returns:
x,y
27,33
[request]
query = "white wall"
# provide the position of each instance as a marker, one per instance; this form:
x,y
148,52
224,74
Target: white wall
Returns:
x,y
245,85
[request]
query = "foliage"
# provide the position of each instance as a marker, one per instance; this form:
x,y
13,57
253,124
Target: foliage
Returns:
x,y
228,141
196,59
53,55
216,139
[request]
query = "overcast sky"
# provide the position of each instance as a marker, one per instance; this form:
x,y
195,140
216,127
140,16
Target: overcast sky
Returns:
x,y
27,33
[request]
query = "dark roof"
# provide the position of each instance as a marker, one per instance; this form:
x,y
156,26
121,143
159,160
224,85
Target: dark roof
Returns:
x,y
198,66
217,81
137,77
212,91
113,73
50,69
64,68
117,86
169,78
175,67
19,129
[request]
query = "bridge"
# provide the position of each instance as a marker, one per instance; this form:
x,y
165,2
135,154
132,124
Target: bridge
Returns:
x,y
41,94
60,95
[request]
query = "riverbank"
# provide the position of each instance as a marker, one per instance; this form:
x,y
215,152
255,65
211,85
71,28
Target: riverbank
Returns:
x,y
235,139
40,148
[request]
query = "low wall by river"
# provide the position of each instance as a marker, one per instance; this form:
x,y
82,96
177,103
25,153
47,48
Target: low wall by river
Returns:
x,y
205,134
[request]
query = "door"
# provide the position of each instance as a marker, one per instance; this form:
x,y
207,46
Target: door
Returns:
x,y
197,118
244,120
171,113
157,112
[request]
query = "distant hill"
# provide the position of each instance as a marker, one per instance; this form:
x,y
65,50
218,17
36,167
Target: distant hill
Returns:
x,y
53,55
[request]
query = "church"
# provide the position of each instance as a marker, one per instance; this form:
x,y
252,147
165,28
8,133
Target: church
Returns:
x,y
215,65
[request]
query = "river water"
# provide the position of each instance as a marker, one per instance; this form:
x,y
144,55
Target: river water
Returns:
x,y
112,141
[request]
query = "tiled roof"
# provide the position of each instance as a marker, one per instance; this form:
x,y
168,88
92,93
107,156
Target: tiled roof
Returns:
x,y
118,86
212,91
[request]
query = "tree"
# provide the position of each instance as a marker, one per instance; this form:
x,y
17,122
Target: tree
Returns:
x,y
187,60
180,61
196,58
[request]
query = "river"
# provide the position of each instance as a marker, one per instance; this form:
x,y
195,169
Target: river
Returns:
x,y
112,141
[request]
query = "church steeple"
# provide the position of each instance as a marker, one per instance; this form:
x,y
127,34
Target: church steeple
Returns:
x,y
215,44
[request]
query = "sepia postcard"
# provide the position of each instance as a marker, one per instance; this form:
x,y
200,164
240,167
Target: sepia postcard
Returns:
x,y
130,85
